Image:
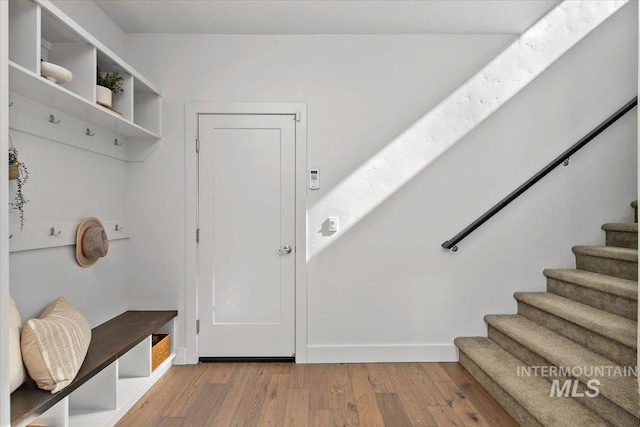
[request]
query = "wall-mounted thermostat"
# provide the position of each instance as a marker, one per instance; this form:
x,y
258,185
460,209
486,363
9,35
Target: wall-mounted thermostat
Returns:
x,y
314,179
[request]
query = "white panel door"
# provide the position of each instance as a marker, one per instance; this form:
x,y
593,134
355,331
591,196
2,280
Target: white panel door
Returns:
x,y
246,217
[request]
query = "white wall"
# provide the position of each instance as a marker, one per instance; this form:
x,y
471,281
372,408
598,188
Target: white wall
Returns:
x,y
67,184
88,15
386,286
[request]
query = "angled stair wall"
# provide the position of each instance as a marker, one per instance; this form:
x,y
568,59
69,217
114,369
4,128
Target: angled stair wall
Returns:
x,y
586,319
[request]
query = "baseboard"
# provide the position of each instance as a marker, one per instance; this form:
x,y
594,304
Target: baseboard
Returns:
x,y
181,356
382,353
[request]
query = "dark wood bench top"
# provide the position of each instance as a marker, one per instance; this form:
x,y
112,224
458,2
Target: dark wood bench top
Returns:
x,y
109,341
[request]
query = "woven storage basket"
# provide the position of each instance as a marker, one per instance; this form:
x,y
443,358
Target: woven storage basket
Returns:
x,y
160,349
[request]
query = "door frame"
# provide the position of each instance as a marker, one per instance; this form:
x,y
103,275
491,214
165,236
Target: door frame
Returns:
x,y
192,112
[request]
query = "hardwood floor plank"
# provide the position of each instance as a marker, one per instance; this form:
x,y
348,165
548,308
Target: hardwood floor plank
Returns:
x,y
435,371
177,407
378,378
155,402
345,411
170,422
392,411
219,373
282,367
445,416
423,382
490,410
199,410
320,417
299,376
249,410
413,402
365,397
296,413
273,407
320,393
241,379
462,407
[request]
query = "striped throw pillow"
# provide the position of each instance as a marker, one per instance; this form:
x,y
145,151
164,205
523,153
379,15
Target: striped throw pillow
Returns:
x,y
55,345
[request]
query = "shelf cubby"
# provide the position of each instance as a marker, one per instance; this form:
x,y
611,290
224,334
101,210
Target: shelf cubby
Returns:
x,y
24,34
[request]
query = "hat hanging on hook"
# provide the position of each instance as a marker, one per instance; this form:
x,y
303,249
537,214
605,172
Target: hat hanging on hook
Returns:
x,y
92,242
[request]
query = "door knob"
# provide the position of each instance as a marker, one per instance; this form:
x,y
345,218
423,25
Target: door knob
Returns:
x,y
285,250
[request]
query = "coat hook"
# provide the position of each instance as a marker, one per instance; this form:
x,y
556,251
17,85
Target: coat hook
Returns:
x,y
10,236
89,133
11,104
119,228
52,119
52,232
116,143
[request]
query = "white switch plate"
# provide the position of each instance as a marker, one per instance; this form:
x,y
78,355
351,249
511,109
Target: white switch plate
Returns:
x,y
333,224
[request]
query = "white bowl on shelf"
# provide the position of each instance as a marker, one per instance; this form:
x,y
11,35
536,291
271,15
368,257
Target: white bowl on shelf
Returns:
x,y
55,73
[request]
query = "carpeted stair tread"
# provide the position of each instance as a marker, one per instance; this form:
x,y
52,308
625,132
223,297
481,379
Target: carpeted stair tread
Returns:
x,y
614,327
626,227
563,352
531,392
609,252
600,282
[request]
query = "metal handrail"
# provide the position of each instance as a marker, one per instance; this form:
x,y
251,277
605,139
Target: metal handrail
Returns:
x,y
562,158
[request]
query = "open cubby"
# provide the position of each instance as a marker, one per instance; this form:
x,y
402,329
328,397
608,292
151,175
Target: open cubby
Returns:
x,y
38,30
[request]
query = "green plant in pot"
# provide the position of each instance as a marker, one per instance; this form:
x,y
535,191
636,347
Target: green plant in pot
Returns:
x,y
108,84
19,173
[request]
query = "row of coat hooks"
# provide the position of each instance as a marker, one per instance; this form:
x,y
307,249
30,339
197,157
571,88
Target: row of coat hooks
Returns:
x,y
54,233
88,132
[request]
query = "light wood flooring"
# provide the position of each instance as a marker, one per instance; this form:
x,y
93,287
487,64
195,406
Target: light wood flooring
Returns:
x,y
286,394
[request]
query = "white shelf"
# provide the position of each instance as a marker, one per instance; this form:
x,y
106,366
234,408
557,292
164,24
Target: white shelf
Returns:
x,y
39,89
41,31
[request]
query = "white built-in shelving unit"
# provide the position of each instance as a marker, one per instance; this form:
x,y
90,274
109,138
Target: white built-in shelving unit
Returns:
x,y
109,394
38,30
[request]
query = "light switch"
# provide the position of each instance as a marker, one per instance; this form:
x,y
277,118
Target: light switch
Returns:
x,y
333,224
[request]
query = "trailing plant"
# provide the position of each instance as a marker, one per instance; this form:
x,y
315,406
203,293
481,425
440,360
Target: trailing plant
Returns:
x,y
19,201
111,81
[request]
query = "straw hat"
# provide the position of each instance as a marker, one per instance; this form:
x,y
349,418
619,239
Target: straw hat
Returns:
x,y
92,242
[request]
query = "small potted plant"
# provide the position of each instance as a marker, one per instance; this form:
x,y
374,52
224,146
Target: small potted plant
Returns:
x,y
108,84
19,173
14,165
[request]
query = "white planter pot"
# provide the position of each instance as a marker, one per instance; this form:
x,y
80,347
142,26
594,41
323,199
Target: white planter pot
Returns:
x,y
103,96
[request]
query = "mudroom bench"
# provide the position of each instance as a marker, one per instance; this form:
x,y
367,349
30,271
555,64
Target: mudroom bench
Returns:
x,y
115,374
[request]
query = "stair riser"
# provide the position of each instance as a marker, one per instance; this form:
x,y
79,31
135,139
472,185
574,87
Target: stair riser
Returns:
x,y
612,267
622,239
601,405
595,342
503,398
603,301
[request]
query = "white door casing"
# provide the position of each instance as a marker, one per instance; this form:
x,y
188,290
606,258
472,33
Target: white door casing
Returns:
x,y
246,212
193,110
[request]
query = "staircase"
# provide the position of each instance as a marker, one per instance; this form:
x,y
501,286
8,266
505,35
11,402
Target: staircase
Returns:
x,y
586,323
